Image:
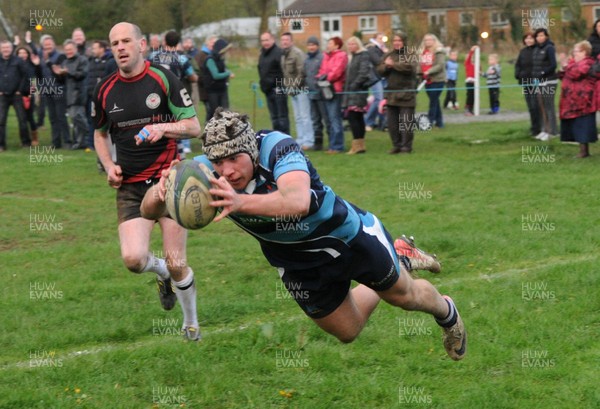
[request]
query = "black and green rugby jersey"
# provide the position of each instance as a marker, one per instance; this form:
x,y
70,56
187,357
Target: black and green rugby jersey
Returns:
x,y
123,106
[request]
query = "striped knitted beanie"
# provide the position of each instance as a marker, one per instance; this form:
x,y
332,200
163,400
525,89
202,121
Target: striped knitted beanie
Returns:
x,y
227,134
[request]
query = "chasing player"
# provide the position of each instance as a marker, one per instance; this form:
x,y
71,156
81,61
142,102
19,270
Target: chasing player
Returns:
x,y
145,108
265,177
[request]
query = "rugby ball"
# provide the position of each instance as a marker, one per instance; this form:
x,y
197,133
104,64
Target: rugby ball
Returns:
x,y
187,197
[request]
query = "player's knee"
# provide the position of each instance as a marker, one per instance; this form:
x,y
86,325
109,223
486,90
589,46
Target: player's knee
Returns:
x,y
176,266
135,262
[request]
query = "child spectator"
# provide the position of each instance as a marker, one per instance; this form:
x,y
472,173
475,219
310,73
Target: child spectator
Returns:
x,y
470,81
451,77
492,76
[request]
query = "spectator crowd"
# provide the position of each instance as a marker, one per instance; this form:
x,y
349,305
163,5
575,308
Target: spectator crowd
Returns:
x,y
367,84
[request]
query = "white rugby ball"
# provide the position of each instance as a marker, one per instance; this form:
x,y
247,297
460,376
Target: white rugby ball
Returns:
x,y
187,197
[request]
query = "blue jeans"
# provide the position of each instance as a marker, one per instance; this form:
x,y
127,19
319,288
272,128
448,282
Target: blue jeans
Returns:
x,y
336,131
434,90
305,135
373,112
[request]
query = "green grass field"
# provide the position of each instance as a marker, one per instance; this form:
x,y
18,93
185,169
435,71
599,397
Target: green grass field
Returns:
x,y
513,221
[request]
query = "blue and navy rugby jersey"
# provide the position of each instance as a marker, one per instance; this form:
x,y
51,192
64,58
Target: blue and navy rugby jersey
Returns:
x,y
296,242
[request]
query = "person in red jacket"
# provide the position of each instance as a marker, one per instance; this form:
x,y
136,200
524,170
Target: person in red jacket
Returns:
x,y
577,100
333,69
470,81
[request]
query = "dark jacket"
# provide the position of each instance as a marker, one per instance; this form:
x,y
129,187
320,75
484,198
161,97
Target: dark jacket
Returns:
x,y
14,76
401,76
375,54
544,61
269,69
594,40
200,58
99,68
357,77
215,81
76,76
524,65
311,69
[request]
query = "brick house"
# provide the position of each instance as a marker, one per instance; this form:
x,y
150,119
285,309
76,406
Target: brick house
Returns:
x,y
455,22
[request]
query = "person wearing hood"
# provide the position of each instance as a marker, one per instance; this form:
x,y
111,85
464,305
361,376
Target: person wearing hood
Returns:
x,y
215,75
544,72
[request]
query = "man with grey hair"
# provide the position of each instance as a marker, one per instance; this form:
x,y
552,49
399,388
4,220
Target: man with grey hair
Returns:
x,y
146,109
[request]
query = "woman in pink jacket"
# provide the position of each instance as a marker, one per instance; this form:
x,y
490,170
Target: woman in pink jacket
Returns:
x,y
333,69
577,100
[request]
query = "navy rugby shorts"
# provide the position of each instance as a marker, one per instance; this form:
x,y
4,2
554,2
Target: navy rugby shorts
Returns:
x,y
370,260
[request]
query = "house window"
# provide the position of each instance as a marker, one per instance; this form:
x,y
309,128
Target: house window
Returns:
x,y
466,19
367,24
566,15
332,24
498,19
396,22
596,13
437,19
297,25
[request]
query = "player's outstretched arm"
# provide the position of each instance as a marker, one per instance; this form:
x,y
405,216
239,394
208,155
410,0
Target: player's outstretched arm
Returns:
x,y
292,197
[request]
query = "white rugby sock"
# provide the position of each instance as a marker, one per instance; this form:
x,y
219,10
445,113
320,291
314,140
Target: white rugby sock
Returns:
x,y
158,266
186,294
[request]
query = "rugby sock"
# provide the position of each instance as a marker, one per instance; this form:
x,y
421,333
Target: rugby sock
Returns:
x,y
186,294
450,319
158,266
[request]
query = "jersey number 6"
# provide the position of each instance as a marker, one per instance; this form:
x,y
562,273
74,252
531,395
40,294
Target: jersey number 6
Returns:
x,y
187,101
